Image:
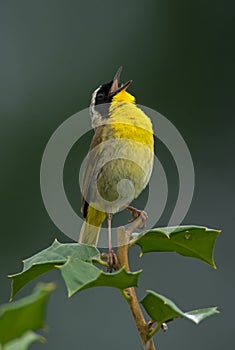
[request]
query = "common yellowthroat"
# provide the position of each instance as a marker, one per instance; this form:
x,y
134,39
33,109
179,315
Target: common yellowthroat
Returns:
x,y
120,160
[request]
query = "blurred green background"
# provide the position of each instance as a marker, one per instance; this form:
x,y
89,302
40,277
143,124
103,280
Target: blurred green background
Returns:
x,y
180,55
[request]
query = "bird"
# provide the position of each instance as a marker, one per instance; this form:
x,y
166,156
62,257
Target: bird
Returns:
x,y
119,162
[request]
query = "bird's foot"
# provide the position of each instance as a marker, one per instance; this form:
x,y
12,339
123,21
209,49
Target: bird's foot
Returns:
x,y
136,213
112,261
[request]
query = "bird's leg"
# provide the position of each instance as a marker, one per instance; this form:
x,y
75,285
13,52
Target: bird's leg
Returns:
x,y
112,258
136,213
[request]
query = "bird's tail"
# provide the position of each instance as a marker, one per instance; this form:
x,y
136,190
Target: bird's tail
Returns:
x,y
90,230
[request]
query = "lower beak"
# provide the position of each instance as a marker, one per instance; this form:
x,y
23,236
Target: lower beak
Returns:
x,y
115,88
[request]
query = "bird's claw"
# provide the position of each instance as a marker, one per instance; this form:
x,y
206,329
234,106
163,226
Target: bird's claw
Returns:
x,y
136,213
112,261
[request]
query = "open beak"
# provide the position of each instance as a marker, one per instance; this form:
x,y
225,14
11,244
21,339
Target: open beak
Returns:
x,y
115,88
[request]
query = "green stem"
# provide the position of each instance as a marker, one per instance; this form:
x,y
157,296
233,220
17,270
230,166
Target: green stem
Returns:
x,y
125,295
154,330
100,262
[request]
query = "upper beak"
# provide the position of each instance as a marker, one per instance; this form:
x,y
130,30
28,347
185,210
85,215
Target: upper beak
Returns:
x,y
115,88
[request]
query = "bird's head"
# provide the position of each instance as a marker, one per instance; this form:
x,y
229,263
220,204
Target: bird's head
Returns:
x,y
106,94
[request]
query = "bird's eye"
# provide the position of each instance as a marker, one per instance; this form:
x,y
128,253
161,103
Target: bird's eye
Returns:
x,y
100,96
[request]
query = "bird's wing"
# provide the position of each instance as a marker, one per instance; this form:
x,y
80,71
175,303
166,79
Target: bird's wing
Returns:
x,y
102,133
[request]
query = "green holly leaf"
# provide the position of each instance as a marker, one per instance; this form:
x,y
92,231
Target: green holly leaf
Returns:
x,y
44,261
79,275
191,241
26,314
162,309
23,342
75,263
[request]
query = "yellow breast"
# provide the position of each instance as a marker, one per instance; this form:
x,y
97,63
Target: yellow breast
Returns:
x,y
128,121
